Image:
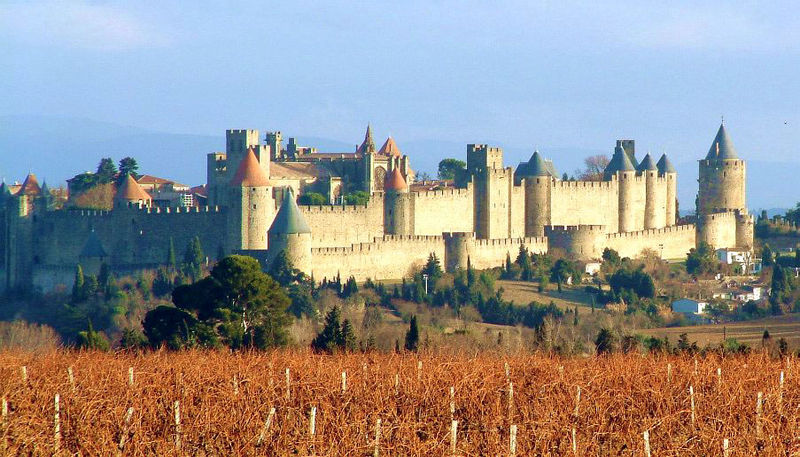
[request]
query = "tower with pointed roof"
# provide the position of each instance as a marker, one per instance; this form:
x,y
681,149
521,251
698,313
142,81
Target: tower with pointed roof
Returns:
x,y
722,177
622,169
537,178
291,234
251,205
130,194
396,205
654,195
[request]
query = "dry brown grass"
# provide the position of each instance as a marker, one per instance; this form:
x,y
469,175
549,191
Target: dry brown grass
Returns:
x,y
621,397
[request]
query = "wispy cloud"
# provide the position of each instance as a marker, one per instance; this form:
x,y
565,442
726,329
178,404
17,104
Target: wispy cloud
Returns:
x,y
78,24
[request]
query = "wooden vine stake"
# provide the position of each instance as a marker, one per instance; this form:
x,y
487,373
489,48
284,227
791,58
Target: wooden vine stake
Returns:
x,y
377,444
510,400
177,411
419,370
71,379
265,428
397,384
574,442
235,385
57,425
719,377
691,400
512,441
344,382
271,382
726,448
669,373
695,366
577,401
646,443
453,432
759,410
125,430
452,403
780,394
288,385
24,372
507,371
4,413
312,422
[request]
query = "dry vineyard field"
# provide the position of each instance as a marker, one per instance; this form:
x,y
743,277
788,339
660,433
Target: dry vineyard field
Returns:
x,y
298,403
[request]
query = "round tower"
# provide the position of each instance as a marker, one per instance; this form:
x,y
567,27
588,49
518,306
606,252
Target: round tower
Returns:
x,y
251,205
649,172
538,183
667,171
396,204
582,241
458,248
620,166
722,177
745,231
291,234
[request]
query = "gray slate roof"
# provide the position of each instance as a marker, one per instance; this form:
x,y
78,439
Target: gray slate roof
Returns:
x,y
722,147
536,166
289,218
646,164
93,247
665,166
619,162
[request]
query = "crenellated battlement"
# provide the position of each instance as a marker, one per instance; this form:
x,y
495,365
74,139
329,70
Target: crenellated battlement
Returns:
x,y
340,209
674,229
385,242
585,184
447,192
529,241
577,228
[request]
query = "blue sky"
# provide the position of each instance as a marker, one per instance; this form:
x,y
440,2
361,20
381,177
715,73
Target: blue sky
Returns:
x,y
558,74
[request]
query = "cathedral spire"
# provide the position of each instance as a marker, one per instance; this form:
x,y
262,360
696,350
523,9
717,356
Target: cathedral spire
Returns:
x,y
368,146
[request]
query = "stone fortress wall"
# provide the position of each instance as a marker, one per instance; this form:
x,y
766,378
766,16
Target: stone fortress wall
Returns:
x,y
483,219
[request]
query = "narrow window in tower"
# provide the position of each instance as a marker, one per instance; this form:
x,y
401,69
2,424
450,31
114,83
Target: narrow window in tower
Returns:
x,y
254,206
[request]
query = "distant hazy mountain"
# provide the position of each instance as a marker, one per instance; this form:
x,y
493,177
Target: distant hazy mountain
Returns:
x,y
58,148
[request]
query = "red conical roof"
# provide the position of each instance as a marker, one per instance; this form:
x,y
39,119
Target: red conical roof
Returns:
x,y
30,186
395,181
250,173
390,148
130,190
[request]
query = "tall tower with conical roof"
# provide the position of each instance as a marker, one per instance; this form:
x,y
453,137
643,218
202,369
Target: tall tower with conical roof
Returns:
x,y
291,234
623,169
397,205
667,171
251,205
722,177
538,179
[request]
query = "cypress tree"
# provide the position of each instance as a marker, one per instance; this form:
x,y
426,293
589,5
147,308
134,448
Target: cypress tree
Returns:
x,y
172,261
78,285
412,336
349,340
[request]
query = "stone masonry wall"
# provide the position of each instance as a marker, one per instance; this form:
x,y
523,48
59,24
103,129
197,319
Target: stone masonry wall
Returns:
x,y
439,211
334,225
585,203
676,240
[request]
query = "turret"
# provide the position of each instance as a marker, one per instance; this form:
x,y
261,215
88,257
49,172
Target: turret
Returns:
x,y
397,204
251,205
722,177
131,194
621,167
666,170
538,180
652,197
291,234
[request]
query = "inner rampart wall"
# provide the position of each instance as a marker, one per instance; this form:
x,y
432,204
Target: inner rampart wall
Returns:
x,y
492,253
438,211
585,203
335,225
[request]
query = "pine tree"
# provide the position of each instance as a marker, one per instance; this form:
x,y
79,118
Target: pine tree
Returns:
x,y
412,336
78,286
331,335
349,342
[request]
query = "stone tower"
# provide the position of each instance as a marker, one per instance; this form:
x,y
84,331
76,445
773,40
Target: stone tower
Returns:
x,y
492,186
667,171
251,205
654,196
291,234
538,182
396,205
722,177
621,167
